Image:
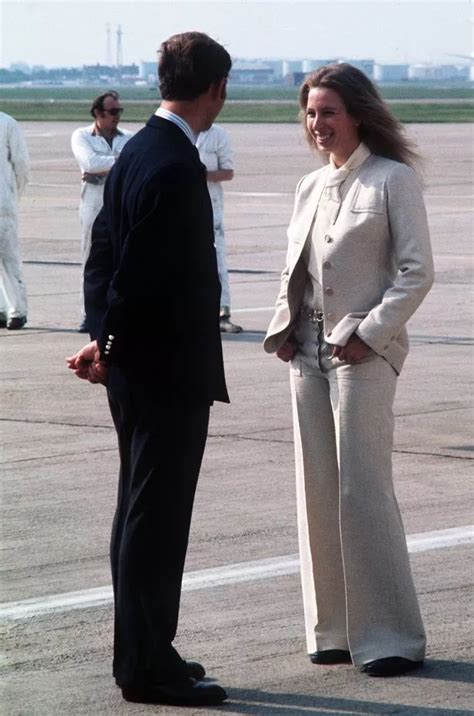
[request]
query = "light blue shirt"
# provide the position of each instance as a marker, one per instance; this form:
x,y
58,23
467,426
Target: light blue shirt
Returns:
x,y
179,121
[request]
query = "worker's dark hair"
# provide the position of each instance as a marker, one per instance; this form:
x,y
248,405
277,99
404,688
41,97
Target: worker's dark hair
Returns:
x,y
189,63
98,103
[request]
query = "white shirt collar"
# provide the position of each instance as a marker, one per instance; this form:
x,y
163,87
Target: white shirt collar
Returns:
x,y
179,121
357,158
97,133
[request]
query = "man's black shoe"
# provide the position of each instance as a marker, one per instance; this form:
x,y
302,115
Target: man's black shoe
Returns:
x,y
3,320
83,328
195,670
390,666
189,692
15,323
331,656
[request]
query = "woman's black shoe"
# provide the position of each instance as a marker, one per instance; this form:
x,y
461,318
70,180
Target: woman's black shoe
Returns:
x,y
331,656
390,666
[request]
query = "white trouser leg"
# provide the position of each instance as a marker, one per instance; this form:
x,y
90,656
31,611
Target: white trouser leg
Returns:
x,y
383,616
91,203
357,584
219,239
317,497
3,299
13,289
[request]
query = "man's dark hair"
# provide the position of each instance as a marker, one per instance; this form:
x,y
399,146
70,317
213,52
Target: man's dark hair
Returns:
x,y
189,63
98,103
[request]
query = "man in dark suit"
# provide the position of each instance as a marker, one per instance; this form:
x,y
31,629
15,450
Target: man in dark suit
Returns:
x,y
153,261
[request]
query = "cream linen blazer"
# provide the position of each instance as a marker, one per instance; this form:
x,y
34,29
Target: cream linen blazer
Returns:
x,y
377,265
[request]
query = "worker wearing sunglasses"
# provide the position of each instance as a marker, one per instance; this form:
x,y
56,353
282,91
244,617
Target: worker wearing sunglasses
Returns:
x,y
96,149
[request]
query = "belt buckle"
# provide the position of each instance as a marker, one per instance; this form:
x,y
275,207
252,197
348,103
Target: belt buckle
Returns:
x,y
316,316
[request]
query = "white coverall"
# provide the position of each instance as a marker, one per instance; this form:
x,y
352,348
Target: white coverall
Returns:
x,y
14,172
94,155
216,153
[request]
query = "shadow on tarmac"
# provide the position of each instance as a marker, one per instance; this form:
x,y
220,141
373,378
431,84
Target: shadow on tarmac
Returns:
x,y
253,701
462,671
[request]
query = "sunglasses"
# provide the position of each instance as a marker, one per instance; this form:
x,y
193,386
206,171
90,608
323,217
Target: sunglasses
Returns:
x,y
115,112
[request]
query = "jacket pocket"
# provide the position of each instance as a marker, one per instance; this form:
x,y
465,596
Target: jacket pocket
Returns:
x,y
369,199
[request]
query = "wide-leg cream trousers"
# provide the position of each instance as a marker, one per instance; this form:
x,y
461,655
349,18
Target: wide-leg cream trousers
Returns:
x,y
358,590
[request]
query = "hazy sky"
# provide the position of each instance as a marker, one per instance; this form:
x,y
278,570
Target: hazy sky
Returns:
x,y
71,32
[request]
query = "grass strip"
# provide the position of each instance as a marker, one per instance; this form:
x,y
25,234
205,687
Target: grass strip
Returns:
x,y
284,112
403,91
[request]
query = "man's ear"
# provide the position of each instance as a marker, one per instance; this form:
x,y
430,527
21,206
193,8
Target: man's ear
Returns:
x,y
218,89
223,88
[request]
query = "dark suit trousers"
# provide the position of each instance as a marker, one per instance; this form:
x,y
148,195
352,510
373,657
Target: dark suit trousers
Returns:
x,y
161,443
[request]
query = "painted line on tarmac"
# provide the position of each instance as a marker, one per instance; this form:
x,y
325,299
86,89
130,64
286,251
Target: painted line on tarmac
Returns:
x,y
260,194
253,310
448,196
52,186
217,577
55,160
38,134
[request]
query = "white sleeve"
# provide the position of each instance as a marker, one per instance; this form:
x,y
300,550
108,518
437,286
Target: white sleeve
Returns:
x,y
18,156
225,155
87,157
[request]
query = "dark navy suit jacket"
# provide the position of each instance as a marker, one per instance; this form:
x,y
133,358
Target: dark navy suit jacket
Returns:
x,y
151,284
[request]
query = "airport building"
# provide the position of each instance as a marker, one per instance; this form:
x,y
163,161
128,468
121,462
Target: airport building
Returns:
x,y
391,73
365,66
277,67
243,73
148,72
251,72
429,72
310,65
290,66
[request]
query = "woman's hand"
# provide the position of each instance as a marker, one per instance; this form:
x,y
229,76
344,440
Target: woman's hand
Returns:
x,y
355,350
287,351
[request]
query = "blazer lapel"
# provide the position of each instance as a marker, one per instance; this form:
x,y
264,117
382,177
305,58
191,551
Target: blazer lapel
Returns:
x,y
308,202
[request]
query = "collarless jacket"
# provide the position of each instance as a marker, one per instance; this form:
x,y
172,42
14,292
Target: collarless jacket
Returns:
x,y
377,265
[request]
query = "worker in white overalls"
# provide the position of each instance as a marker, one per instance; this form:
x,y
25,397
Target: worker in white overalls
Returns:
x,y
96,149
216,154
14,172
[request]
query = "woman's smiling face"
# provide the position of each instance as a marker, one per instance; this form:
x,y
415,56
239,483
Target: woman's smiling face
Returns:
x,y
334,130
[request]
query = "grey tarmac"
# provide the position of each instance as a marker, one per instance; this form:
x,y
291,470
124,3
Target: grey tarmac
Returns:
x,y
59,462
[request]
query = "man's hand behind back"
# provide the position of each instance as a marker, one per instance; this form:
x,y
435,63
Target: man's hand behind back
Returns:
x,y
87,365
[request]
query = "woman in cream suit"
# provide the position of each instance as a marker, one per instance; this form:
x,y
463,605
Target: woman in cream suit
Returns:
x,y
359,264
